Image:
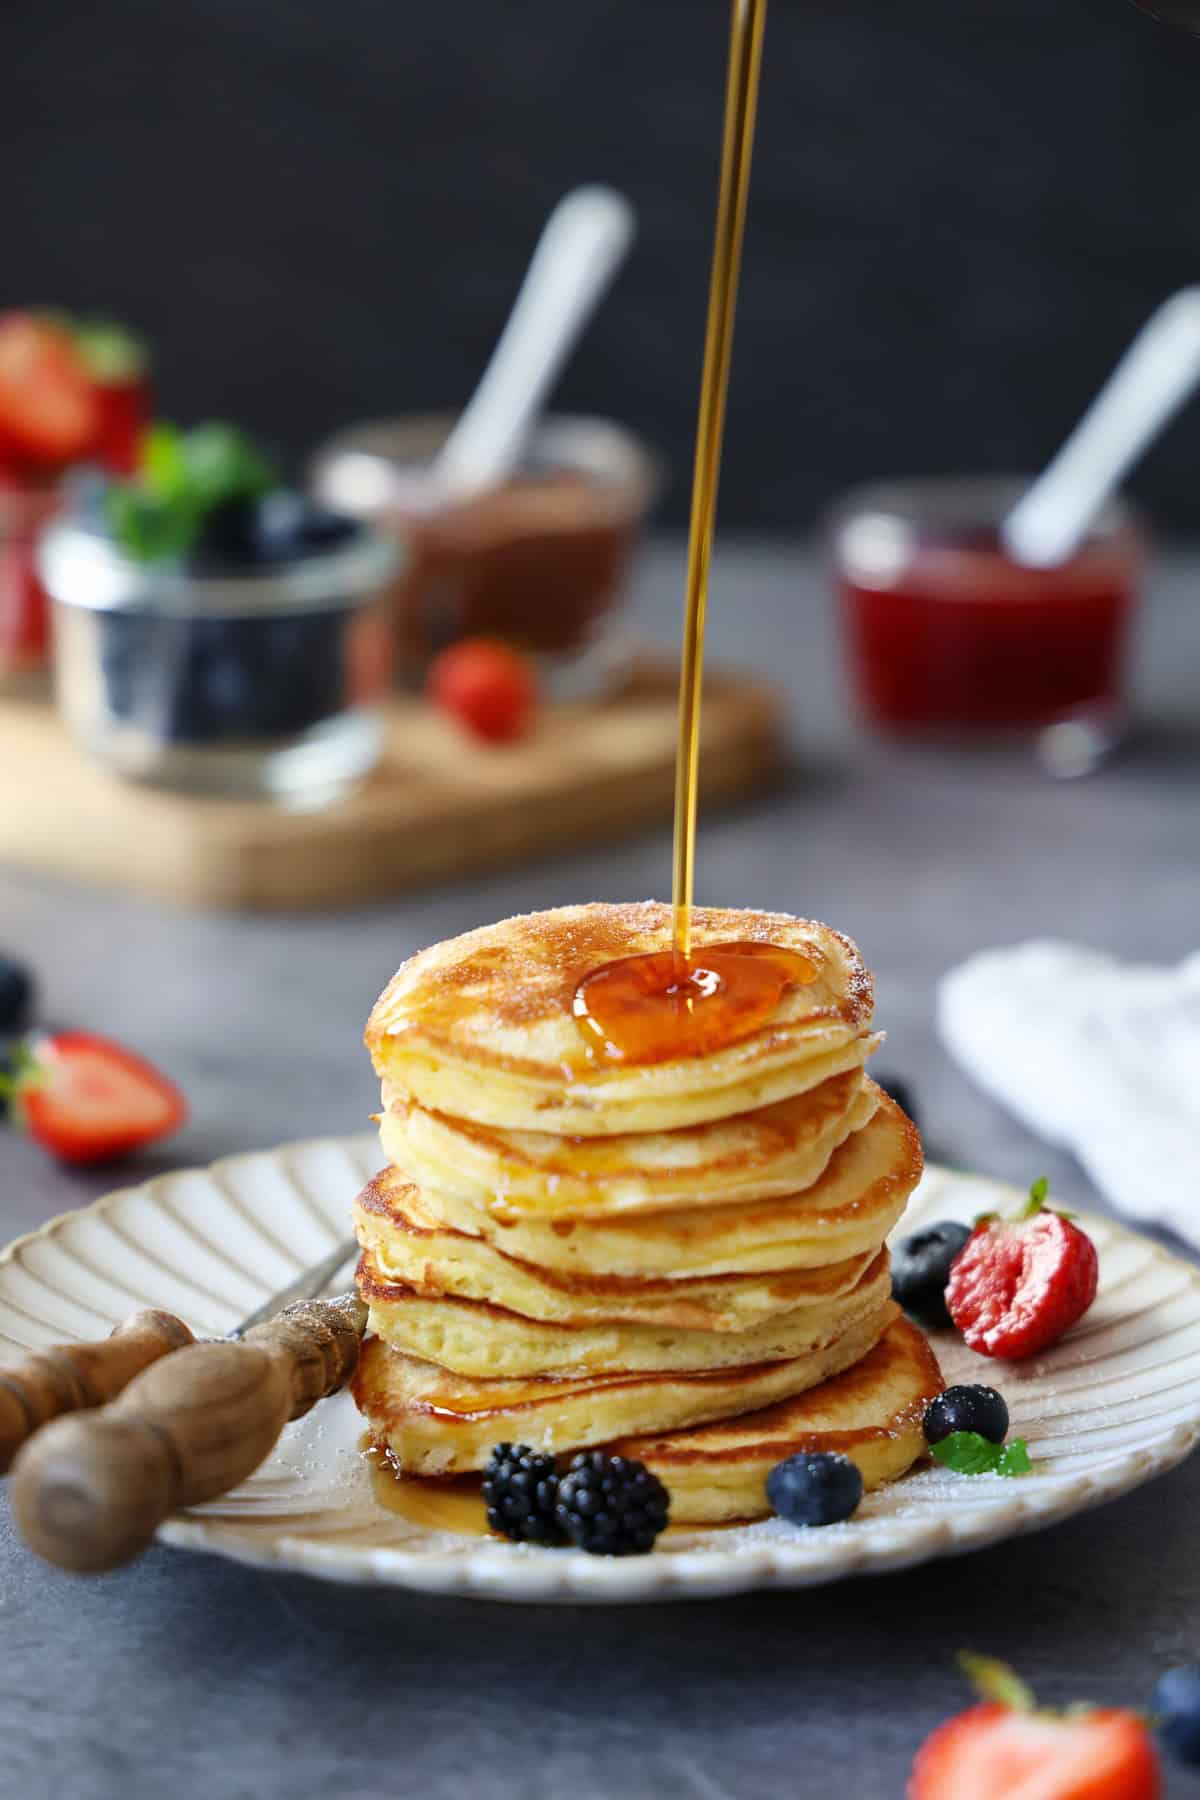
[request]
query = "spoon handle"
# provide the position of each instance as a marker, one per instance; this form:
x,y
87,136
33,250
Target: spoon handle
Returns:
x,y
67,1378
89,1492
584,242
1150,383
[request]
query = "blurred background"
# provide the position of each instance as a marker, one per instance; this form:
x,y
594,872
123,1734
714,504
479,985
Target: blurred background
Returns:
x,y
318,213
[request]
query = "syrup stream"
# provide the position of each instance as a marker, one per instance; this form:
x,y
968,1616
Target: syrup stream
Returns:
x,y
741,101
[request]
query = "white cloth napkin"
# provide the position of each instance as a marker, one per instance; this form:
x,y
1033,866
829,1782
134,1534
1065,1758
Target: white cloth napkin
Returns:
x,y
1098,1056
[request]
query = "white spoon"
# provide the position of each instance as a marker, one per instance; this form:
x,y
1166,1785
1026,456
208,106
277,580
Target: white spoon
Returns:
x,y
583,244
1148,386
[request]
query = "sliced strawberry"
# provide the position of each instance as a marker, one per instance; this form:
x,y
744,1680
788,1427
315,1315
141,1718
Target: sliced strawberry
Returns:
x,y
87,1099
49,413
487,686
1005,1749
1018,1284
993,1753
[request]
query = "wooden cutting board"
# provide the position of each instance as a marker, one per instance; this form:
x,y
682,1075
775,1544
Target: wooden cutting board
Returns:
x,y
438,806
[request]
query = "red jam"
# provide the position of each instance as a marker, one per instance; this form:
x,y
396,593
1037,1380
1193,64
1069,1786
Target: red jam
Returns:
x,y
951,633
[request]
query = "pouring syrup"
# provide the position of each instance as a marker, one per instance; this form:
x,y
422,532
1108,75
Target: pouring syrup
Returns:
x,y
680,1002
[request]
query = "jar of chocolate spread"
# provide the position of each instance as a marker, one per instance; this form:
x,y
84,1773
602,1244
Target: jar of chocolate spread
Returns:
x,y
540,561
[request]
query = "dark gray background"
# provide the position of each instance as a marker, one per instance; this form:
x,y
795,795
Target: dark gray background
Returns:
x,y
962,209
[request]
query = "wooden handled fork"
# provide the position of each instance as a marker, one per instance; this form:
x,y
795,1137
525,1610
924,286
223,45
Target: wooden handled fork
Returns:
x,y
69,1377
89,1490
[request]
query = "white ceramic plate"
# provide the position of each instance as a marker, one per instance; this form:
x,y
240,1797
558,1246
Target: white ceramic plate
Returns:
x,y
1115,1403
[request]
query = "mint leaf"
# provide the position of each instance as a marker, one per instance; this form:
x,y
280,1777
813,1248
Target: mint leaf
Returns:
x,y
184,477
222,465
164,467
1014,1458
147,528
968,1453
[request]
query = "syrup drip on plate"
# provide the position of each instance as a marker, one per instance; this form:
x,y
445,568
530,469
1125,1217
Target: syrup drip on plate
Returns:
x,y
452,1503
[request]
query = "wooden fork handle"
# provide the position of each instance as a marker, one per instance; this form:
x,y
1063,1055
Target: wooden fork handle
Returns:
x,y
89,1492
69,1377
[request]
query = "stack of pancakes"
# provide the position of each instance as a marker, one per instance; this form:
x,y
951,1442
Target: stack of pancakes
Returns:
x,y
682,1258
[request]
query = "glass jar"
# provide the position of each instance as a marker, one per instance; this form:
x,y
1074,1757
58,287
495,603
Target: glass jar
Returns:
x,y
540,561
24,609
946,633
268,684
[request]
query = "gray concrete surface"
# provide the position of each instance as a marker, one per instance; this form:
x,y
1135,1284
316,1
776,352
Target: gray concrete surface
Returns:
x,y
188,1677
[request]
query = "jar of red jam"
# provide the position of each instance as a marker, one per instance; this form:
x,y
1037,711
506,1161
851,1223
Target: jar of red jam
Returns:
x,y
945,632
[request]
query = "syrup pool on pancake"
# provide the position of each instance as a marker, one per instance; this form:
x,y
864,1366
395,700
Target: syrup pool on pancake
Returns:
x,y
659,1006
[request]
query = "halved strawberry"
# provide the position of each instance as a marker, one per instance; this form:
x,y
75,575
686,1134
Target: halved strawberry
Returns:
x,y
49,412
1018,1284
1006,1750
88,1100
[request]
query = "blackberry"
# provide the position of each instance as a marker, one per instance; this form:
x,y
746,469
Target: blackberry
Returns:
x,y
519,1490
610,1505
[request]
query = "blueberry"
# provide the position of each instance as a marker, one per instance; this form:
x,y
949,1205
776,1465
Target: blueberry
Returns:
x,y
118,635
16,996
326,530
901,1093
229,535
817,1489
1175,1704
921,1269
979,1409
280,523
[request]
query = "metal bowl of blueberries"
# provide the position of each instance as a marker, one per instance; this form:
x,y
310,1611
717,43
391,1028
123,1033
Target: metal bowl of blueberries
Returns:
x,y
216,632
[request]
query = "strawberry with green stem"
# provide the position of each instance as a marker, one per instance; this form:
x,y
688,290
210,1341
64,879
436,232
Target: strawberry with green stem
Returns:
x,y
1018,1284
88,1100
1008,1748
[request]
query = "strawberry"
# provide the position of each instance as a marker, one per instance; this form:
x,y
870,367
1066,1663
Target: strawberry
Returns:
x,y
88,1100
117,365
487,686
1004,1749
49,412
1018,1284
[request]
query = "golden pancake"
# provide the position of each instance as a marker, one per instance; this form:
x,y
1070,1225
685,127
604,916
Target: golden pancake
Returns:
x,y
481,1027
847,1213
408,1244
435,1423
474,1338
777,1150
872,1413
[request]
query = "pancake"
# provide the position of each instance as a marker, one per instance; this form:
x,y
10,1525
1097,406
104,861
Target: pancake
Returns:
x,y
872,1413
474,1338
435,1423
531,1174
408,1244
481,1027
848,1212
